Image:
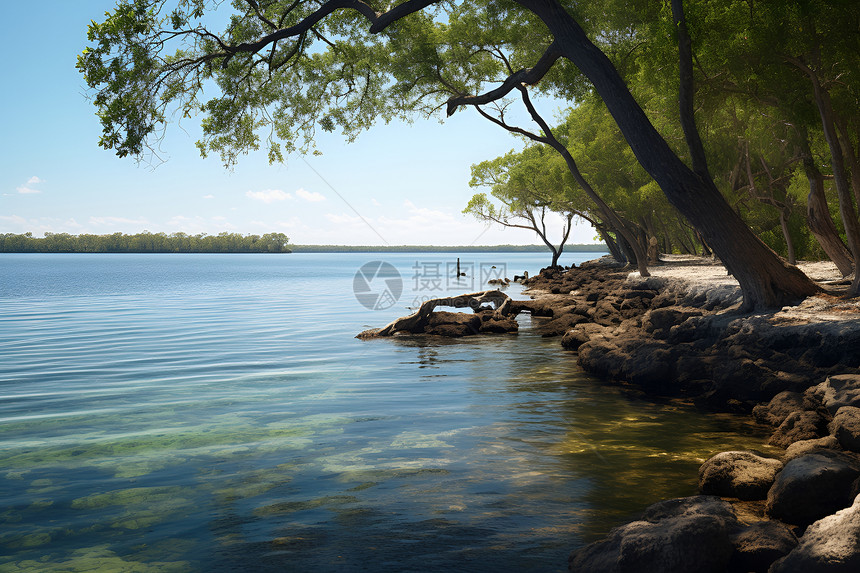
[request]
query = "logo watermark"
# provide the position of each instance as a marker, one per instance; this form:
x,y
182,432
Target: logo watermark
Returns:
x,y
378,285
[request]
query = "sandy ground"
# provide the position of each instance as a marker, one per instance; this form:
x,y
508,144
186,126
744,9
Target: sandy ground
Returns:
x,y
698,274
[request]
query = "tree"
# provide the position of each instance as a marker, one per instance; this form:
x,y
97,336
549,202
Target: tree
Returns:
x,y
272,78
529,186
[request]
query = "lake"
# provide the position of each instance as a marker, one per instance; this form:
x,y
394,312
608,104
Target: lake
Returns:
x,y
212,413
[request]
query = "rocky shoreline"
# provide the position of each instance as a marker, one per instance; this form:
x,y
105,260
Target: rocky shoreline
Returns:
x,y
679,334
797,370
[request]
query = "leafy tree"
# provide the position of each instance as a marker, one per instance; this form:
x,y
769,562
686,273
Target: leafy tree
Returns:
x,y
288,68
527,186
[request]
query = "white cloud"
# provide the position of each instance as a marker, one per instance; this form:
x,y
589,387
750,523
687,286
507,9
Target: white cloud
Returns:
x,y
268,195
28,187
342,219
313,197
210,196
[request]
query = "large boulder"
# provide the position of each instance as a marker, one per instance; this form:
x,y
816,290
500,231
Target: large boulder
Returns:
x,y
837,391
813,486
799,426
830,545
744,475
759,545
804,447
674,536
845,427
780,406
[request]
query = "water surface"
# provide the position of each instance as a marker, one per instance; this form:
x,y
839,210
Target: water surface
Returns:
x,y
216,413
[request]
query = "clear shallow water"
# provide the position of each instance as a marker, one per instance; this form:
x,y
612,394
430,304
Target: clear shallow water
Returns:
x,y
216,413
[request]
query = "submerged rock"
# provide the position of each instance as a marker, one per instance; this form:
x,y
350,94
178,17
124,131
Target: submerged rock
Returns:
x,y
813,486
830,545
674,536
744,475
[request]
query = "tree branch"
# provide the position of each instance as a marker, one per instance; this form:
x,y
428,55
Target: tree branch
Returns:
x,y
528,76
378,22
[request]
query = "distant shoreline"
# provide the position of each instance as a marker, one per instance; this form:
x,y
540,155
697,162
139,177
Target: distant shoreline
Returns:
x,y
579,248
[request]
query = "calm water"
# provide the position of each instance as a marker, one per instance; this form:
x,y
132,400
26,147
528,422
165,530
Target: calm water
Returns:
x,y
215,413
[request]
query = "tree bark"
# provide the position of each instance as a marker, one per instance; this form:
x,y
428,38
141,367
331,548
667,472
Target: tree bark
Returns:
x,y
765,280
818,216
416,321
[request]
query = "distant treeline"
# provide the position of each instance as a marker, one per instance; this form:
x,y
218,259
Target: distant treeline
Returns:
x,y
145,242
599,248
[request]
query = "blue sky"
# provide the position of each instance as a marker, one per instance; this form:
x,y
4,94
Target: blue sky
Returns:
x,y
408,183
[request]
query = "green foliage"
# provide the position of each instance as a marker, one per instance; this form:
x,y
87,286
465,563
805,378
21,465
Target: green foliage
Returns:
x,y
145,243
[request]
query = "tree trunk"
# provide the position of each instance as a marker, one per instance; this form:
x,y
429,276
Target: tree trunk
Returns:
x,y
765,280
789,244
614,250
818,216
840,177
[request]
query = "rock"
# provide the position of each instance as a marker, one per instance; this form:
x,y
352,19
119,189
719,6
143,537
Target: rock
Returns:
x,y
659,321
453,324
813,486
830,545
759,545
638,282
496,325
650,366
580,334
845,427
780,406
561,324
674,536
837,391
803,447
799,426
743,475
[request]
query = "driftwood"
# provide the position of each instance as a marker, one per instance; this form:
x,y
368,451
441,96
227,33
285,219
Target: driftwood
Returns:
x,y
418,321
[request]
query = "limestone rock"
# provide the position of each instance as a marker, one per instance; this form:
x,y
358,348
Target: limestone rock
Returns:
x,y
580,334
845,427
453,324
837,391
743,475
497,325
813,486
780,406
804,447
674,536
830,545
759,545
799,426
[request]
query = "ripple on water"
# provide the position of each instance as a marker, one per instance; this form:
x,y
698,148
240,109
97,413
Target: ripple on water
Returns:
x,y
216,414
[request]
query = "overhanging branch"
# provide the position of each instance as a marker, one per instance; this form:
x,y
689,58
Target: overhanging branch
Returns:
x,y
378,22
528,76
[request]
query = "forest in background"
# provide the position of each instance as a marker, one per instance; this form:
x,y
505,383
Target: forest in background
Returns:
x,y
145,243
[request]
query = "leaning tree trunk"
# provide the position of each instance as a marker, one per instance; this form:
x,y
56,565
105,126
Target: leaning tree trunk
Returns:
x,y
818,216
765,280
613,247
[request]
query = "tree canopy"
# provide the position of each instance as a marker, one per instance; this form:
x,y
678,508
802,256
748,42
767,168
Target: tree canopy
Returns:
x,y
274,72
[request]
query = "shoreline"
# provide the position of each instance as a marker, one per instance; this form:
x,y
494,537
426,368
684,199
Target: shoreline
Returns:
x,y
678,334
